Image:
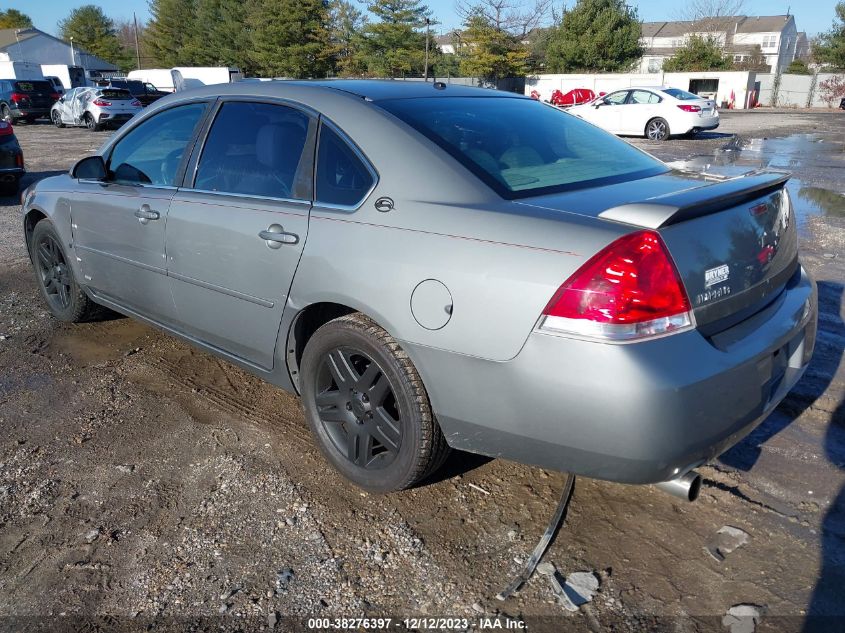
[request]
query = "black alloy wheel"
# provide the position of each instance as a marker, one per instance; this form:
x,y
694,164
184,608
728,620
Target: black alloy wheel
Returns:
x,y
54,272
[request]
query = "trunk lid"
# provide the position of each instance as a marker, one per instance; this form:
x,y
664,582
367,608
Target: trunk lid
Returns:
x,y
733,240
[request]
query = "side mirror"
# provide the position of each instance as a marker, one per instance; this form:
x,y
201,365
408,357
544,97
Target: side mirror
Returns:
x,y
89,168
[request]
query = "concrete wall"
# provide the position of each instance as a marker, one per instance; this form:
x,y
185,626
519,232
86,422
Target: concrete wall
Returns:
x,y
794,91
509,84
740,84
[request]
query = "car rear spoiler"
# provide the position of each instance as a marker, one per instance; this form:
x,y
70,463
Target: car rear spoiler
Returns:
x,y
681,206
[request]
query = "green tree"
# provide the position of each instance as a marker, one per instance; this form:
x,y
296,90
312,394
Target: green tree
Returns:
x,y
170,32
290,38
219,36
14,19
490,52
394,46
755,61
829,47
698,54
798,67
94,32
595,36
346,24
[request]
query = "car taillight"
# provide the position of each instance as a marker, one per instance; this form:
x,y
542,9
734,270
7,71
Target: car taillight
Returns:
x,y
628,290
690,108
6,129
101,102
17,96
55,96
19,160
135,103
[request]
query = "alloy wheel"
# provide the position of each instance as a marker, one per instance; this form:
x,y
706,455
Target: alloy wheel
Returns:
x,y
54,272
357,408
657,130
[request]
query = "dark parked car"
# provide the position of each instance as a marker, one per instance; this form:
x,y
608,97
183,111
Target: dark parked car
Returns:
x,y
28,99
842,104
11,160
144,92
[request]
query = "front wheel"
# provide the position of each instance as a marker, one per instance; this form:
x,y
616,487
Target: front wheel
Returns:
x,y
66,300
5,113
367,406
57,119
657,129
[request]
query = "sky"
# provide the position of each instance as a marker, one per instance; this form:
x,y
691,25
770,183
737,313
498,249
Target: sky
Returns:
x,y
812,16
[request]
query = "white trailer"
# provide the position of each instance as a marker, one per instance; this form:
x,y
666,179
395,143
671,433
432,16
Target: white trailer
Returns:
x,y
159,77
186,77
70,76
20,70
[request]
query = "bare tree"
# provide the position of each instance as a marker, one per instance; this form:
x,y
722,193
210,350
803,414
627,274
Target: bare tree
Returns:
x,y
508,16
712,16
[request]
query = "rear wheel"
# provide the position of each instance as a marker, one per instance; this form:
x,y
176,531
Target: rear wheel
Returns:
x,y
5,113
657,129
57,119
91,122
10,188
66,300
367,407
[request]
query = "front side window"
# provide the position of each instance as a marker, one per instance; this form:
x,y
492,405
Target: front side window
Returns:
x,y
616,98
151,152
521,147
342,177
257,149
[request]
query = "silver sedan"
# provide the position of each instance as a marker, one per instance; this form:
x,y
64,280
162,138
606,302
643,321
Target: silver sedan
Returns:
x,y
432,266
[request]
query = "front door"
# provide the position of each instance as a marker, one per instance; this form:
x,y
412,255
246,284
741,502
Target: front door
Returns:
x,y
118,224
235,237
642,106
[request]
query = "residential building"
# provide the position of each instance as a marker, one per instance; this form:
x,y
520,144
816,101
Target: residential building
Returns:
x,y
740,35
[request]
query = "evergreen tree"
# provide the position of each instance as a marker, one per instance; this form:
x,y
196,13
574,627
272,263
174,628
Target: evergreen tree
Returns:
x,y
170,32
220,36
394,46
698,54
595,36
14,19
92,31
290,38
491,52
345,26
829,47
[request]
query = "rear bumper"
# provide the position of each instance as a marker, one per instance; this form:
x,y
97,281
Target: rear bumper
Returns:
x,y
634,413
107,118
29,113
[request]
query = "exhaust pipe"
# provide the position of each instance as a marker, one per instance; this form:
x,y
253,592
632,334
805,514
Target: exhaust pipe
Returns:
x,y
685,487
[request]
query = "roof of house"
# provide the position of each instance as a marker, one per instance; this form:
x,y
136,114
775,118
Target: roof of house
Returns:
x,y
742,23
10,37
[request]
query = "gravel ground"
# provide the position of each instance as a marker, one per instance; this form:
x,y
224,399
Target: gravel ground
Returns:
x,y
146,484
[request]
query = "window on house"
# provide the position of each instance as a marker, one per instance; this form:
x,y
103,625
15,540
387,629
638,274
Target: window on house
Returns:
x,y
770,41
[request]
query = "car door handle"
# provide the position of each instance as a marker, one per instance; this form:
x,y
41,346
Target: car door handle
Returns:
x,y
275,236
145,214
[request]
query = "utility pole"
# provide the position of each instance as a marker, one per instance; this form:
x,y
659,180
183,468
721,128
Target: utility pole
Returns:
x,y
72,53
427,31
137,50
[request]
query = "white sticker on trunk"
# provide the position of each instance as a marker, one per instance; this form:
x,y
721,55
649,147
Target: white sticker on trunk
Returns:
x,y
716,275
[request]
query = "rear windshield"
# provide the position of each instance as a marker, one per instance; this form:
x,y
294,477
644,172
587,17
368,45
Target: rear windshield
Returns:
x,y
683,95
521,147
113,93
135,87
33,86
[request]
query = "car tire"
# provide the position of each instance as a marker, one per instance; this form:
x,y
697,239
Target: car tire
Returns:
x,y
5,113
91,122
65,298
8,189
657,129
57,119
367,406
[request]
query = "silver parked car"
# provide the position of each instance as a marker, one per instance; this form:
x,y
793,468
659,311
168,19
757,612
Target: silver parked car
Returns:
x,y
95,108
435,266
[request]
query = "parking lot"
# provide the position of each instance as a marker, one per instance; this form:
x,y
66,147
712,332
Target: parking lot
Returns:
x,y
141,479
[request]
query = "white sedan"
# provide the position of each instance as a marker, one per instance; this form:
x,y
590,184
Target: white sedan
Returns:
x,y
655,113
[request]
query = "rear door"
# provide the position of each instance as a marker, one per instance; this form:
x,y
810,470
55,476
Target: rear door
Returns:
x,y
642,105
236,231
118,224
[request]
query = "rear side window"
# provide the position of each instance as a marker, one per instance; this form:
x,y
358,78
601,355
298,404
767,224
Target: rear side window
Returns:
x,y
257,149
521,147
342,177
644,96
151,152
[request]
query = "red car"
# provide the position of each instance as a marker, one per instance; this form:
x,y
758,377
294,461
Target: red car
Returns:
x,y
573,97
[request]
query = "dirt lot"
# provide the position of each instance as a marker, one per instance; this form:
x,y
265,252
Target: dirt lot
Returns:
x,y
144,483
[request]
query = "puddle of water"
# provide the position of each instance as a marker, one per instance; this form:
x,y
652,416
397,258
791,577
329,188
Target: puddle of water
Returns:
x,y
804,152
